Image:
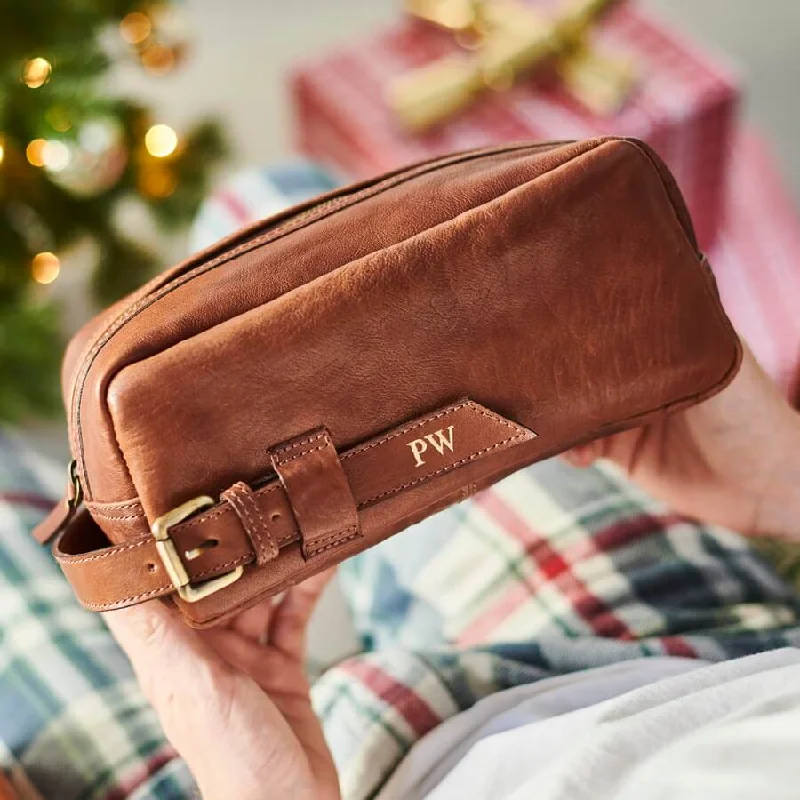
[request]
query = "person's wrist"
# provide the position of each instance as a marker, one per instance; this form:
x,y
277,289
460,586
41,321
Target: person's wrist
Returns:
x,y
778,512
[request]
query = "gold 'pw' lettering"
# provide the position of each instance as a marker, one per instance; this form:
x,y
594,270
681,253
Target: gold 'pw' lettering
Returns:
x,y
440,440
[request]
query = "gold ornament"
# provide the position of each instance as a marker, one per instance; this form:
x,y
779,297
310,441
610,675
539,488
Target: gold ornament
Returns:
x,y
92,162
512,39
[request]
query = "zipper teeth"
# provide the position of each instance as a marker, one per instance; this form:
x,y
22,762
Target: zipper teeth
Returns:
x,y
128,312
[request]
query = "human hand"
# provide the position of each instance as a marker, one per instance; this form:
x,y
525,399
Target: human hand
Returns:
x,y
733,460
234,700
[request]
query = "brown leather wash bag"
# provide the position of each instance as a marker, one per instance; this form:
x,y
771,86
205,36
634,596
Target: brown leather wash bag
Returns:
x,y
326,378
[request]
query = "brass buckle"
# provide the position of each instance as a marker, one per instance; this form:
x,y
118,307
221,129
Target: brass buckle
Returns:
x,y
172,561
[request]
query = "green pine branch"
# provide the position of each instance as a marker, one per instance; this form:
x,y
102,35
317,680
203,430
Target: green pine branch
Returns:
x,y
38,212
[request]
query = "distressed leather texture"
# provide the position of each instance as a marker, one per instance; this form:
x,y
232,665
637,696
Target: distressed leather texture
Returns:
x,y
336,373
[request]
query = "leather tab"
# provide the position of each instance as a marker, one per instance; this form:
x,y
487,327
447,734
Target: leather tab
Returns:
x,y
244,502
54,522
311,473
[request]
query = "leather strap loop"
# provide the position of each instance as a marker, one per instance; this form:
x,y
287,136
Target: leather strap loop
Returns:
x,y
311,473
245,504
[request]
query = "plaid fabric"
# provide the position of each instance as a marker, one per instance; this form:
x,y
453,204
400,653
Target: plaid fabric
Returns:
x,y
73,723
255,193
551,571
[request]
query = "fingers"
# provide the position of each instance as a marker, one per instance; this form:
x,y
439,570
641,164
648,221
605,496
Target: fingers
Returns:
x,y
583,455
155,641
287,631
253,624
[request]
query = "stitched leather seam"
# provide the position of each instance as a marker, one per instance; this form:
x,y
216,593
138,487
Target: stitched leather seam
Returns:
x,y
301,454
239,495
232,563
116,506
161,589
222,509
108,553
346,201
329,537
441,471
354,535
116,603
118,517
424,421
286,447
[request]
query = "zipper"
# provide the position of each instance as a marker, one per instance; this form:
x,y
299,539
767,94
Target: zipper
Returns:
x,y
344,199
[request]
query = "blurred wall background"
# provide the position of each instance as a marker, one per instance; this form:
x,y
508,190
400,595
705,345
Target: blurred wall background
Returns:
x,y
242,47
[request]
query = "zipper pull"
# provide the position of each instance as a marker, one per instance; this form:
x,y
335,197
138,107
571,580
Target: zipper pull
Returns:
x,y
65,510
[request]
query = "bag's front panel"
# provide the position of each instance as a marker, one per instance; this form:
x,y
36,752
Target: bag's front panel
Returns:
x,y
540,305
227,287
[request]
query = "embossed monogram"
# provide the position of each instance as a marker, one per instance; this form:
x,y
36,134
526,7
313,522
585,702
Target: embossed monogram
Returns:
x,y
441,440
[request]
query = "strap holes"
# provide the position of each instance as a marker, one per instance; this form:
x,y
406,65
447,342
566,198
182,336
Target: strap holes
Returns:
x,y
151,567
274,516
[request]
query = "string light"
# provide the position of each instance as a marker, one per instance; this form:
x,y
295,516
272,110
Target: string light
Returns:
x,y
45,267
158,58
2,149
160,141
135,27
58,119
35,152
157,183
36,72
55,156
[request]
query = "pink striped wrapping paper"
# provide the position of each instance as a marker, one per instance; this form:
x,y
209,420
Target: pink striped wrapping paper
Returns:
x,y
756,260
685,107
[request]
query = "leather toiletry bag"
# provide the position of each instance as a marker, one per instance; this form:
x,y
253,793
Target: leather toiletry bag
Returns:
x,y
329,376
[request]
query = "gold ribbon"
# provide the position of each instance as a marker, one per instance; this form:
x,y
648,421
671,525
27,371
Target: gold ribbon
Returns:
x,y
504,39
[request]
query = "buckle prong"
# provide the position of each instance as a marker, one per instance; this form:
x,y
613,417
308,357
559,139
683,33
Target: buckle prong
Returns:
x,y
173,564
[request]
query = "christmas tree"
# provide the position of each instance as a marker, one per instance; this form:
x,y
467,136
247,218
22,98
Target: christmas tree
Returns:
x,y
69,153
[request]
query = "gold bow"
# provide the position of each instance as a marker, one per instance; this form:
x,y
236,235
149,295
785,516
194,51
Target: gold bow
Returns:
x,y
507,38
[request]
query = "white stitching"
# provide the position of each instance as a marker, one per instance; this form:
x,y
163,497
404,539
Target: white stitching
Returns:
x,y
282,461
442,470
437,415
65,558
240,496
286,447
330,546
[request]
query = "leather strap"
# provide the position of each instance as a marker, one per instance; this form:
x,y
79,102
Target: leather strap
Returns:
x,y
314,498
312,476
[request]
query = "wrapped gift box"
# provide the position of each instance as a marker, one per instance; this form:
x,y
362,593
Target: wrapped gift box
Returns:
x,y
685,107
756,260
